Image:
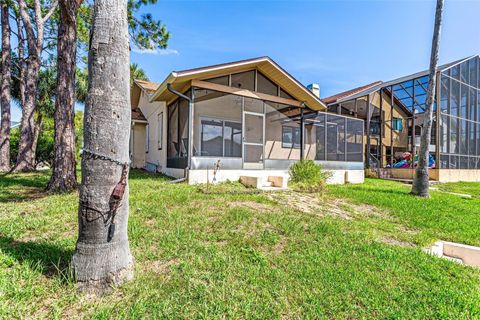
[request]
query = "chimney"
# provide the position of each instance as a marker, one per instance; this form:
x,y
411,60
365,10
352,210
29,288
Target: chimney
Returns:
x,y
315,88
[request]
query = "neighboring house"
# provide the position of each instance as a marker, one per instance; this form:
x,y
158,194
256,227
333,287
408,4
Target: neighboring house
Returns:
x,y
251,115
393,112
144,152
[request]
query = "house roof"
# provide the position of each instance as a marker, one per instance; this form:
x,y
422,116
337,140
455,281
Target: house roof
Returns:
x,y
348,93
137,115
138,87
399,80
147,85
181,80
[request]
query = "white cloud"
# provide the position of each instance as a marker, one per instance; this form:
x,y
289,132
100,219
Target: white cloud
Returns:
x,y
157,52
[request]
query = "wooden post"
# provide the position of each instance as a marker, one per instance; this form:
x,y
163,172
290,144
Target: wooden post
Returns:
x,y
302,135
413,124
392,101
380,139
439,119
367,152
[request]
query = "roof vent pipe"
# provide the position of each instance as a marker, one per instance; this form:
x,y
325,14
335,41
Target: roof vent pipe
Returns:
x,y
315,88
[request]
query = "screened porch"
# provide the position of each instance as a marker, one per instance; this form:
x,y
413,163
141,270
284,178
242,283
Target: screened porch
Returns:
x,y
250,133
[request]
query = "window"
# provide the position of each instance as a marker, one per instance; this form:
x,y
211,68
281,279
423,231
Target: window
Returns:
x,y
232,139
244,80
264,85
217,129
375,126
290,137
160,131
223,80
285,95
455,98
147,138
252,80
221,138
397,124
212,138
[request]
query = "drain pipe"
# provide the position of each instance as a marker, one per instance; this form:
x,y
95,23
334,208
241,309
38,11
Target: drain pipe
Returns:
x,y
190,127
177,180
302,133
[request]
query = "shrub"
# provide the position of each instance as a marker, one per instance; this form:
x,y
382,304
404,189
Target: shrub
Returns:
x,y
44,152
371,173
307,176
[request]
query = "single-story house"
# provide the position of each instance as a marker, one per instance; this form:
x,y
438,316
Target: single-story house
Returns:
x,y
251,117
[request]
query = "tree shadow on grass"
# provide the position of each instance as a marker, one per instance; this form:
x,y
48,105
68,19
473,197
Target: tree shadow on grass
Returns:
x,y
51,260
138,174
21,195
36,180
17,188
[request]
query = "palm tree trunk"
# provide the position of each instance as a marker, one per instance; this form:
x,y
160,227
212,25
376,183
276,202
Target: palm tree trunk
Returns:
x,y
102,257
64,177
5,87
421,181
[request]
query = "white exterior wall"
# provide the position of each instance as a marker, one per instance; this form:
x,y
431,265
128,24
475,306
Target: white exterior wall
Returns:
x,y
346,176
338,176
137,145
174,173
156,154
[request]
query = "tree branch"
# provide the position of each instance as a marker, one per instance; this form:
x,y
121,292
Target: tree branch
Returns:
x,y
50,12
27,22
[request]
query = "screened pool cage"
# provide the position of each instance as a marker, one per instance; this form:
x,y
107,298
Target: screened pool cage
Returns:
x,y
394,113
248,133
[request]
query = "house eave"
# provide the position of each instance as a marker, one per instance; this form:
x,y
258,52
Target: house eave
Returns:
x,y
179,80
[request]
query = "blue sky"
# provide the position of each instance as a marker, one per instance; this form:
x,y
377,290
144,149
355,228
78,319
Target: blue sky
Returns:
x,y
337,44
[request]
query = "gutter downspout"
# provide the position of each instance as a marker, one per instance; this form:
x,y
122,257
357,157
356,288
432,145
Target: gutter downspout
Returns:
x,y
190,126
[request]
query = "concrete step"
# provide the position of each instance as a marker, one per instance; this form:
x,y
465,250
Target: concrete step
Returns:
x,y
267,184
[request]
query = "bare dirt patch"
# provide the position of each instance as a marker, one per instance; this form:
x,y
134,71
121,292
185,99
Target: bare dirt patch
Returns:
x,y
220,243
251,205
159,266
312,204
396,242
249,229
279,246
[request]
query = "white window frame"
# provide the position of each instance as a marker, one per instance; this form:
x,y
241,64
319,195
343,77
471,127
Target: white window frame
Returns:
x,y
147,138
160,131
223,120
295,133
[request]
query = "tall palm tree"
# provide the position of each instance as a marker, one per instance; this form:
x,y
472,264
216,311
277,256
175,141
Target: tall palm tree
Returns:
x,y
421,181
137,73
102,257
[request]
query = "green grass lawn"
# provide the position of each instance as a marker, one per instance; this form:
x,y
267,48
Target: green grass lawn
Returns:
x,y
471,188
444,216
231,253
